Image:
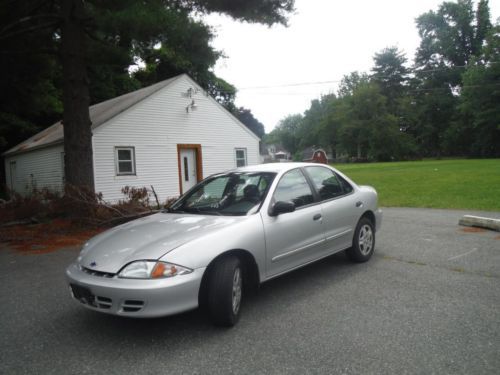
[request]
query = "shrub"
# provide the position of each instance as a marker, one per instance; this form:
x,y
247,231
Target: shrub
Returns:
x,y
79,205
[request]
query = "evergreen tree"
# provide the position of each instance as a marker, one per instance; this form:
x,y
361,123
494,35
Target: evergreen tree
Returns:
x,y
77,30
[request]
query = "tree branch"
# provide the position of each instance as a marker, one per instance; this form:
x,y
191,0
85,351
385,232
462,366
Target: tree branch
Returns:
x,y
29,29
29,19
48,51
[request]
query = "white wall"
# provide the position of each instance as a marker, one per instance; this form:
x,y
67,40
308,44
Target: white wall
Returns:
x,y
41,168
154,127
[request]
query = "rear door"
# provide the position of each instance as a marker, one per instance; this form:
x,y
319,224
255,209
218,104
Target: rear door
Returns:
x,y
339,205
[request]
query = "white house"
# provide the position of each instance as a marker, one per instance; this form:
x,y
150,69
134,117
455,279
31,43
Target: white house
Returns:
x,y
169,135
276,153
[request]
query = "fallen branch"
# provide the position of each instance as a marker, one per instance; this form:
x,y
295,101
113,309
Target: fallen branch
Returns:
x,y
31,220
156,197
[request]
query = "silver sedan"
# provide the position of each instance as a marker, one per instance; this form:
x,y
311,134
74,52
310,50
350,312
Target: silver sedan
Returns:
x,y
224,237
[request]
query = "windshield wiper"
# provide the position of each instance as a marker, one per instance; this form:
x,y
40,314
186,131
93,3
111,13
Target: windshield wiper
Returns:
x,y
173,211
216,213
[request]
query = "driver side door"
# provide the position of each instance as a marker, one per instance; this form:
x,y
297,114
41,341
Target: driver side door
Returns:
x,y
293,238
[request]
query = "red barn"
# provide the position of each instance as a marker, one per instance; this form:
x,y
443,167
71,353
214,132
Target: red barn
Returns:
x,y
314,155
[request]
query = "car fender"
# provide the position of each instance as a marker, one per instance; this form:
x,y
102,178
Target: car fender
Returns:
x,y
245,234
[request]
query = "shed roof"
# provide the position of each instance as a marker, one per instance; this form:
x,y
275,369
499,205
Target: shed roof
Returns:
x,y
99,114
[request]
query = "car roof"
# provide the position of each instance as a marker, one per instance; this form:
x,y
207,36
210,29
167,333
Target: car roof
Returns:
x,y
275,167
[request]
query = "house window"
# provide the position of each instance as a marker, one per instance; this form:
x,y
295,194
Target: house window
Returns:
x,y
241,157
125,160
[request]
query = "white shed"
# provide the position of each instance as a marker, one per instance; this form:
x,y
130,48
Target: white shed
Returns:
x,y
169,135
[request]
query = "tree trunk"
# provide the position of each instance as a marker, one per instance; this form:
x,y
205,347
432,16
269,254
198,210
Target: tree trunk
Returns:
x,y
78,168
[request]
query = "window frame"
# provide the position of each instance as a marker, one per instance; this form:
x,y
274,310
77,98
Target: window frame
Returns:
x,y
314,193
338,176
179,203
236,156
132,160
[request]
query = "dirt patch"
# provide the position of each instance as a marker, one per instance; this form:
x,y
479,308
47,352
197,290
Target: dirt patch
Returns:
x,y
497,238
472,230
46,237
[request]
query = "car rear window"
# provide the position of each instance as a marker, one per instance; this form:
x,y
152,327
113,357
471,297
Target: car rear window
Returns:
x,y
327,183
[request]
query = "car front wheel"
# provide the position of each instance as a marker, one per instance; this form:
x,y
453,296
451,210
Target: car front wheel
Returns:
x,y
225,291
363,242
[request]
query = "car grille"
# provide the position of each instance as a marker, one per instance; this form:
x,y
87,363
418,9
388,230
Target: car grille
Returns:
x,y
85,296
132,305
97,273
103,302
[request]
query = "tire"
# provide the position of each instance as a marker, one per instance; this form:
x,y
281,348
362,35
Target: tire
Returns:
x,y
363,242
225,292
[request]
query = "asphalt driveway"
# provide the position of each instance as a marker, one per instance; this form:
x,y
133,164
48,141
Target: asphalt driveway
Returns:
x,y
427,302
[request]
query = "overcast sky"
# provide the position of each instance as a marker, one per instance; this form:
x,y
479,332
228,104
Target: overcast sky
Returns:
x,y
325,39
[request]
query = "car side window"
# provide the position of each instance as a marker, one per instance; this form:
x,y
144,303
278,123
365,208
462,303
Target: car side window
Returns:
x,y
294,187
345,185
326,182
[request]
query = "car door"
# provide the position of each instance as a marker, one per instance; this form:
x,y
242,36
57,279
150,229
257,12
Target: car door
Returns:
x,y
339,206
293,238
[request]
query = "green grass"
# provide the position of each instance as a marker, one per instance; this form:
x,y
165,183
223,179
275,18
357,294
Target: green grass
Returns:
x,y
459,183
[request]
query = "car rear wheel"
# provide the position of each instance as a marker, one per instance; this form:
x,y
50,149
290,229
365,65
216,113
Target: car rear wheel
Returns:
x,y
363,242
225,291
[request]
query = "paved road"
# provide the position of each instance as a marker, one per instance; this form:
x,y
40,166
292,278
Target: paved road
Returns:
x,y
428,302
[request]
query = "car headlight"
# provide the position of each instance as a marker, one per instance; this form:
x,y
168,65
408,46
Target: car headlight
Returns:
x,y
150,269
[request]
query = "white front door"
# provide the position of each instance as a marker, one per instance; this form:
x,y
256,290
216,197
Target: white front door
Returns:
x,y
188,169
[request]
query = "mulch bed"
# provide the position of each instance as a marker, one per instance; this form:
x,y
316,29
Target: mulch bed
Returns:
x,y
46,237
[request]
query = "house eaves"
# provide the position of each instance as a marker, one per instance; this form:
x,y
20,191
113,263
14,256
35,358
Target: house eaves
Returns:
x,y
99,114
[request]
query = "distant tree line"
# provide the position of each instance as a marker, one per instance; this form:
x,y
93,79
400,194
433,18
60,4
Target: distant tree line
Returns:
x,y
447,103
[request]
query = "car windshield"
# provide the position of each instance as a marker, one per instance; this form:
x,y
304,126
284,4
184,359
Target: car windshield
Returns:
x,y
235,194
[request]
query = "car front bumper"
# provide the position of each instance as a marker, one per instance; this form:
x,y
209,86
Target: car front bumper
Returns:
x,y
135,297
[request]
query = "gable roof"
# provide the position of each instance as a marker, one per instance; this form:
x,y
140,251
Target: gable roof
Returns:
x,y
99,114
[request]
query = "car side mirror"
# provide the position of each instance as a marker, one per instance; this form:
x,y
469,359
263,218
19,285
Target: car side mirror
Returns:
x,y
281,207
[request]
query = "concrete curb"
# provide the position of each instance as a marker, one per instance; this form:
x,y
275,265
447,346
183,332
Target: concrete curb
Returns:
x,y
481,222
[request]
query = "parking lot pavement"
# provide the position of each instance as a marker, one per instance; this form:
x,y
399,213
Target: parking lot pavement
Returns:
x,y
427,302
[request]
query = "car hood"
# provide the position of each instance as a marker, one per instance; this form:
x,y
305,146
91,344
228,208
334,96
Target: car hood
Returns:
x,y
147,238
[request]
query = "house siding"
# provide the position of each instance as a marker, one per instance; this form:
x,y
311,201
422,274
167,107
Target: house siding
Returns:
x,y
42,168
154,127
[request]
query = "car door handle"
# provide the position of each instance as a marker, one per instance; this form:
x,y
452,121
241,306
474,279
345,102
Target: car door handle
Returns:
x,y
317,217
359,204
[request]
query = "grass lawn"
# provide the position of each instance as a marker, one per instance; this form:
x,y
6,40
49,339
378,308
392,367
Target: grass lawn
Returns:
x,y
467,184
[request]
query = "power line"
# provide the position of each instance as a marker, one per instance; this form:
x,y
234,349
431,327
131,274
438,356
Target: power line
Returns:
x,y
312,83
411,90
461,87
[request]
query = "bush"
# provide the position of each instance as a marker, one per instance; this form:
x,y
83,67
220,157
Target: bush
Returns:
x,y
79,205
38,206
